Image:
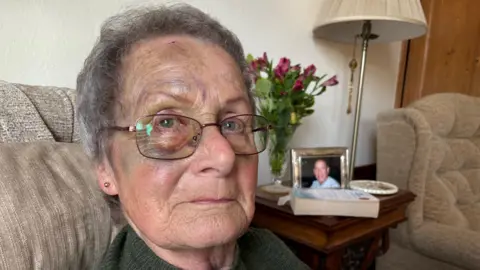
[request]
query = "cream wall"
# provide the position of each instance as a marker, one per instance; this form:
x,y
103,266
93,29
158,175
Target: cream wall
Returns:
x,y
45,42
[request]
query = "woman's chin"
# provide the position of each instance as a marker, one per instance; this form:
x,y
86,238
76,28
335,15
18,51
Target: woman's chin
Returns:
x,y
213,231
195,226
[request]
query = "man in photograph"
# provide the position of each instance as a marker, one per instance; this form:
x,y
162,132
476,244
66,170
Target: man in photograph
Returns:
x,y
322,179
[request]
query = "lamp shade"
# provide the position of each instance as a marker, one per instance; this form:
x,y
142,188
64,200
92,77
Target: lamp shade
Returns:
x,y
391,20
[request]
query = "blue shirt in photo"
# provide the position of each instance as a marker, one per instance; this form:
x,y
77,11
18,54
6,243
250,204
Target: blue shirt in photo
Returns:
x,y
329,183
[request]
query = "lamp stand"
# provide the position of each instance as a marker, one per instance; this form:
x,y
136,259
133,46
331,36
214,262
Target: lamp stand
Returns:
x,y
366,37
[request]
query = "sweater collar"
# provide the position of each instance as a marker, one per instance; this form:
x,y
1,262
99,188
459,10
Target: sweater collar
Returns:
x,y
143,257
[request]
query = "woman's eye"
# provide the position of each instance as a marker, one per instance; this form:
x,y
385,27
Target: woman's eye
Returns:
x,y
233,125
167,123
229,125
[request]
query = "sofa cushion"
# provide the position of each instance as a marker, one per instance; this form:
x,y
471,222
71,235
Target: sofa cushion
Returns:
x,y
452,189
52,214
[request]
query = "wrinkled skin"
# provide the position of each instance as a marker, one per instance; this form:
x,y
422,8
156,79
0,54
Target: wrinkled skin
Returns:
x,y
188,211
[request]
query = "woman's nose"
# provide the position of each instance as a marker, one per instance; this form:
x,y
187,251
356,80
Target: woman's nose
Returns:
x,y
214,153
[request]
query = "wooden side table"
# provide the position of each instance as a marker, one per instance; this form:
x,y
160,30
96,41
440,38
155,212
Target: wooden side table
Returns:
x,y
330,242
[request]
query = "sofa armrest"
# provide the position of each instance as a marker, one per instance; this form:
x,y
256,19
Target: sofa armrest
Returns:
x,y
449,244
56,106
403,146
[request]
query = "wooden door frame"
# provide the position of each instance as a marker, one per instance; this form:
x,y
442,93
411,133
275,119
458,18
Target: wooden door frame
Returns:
x,y
404,56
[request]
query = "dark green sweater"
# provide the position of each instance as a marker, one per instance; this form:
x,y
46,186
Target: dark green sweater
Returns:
x,y
257,249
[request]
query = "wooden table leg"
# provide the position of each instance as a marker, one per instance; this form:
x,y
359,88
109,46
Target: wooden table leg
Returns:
x,y
334,260
312,259
385,242
372,251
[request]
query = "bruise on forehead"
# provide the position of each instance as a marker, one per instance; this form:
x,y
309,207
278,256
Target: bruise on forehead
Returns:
x,y
165,61
236,80
175,90
199,84
201,87
150,59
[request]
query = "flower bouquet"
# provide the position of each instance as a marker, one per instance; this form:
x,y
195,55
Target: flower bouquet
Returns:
x,y
285,94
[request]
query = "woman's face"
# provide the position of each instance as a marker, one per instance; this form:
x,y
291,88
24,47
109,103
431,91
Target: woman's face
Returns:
x,y
203,200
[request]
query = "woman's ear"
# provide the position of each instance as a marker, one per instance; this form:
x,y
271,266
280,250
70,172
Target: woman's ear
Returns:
x,y
106,178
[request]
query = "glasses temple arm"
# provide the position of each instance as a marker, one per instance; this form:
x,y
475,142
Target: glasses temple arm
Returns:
x,y
129,129
262,128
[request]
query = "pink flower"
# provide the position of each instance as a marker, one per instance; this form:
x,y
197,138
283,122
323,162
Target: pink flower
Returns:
x,y
282,68
254,65
284,64
310,70
252,71
262,64
330,82
265,58
278,74
259,64
298,85
296,68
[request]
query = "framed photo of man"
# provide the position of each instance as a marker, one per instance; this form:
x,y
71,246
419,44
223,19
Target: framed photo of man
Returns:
x,y
325,167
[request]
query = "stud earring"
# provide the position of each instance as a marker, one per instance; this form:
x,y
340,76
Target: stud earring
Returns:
x,y
106,184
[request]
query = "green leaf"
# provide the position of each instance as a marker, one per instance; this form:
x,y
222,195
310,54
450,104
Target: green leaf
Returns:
x,y
308,101
270,105
263,86
250,58
322,77
322,90
308,112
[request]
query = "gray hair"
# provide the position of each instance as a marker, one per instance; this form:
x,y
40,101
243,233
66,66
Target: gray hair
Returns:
x,y
98,83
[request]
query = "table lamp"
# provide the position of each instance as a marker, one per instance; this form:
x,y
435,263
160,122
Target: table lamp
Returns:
x,y
346,21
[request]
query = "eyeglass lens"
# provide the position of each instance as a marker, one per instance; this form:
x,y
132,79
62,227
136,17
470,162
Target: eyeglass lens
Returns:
x,y
168,136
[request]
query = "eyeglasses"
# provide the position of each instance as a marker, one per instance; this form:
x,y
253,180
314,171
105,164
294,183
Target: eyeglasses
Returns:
x,y
171,136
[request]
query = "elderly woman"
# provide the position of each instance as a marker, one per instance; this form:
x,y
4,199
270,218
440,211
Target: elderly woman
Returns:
x,y
165,113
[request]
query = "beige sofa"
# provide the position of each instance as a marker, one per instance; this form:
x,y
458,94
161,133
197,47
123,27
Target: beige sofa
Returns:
x,y
52,215
432,148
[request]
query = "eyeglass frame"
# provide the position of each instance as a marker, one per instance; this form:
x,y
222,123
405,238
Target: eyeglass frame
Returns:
x,y
202,126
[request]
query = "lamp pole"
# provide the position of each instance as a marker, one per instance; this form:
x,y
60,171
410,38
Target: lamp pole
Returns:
x,y
366,37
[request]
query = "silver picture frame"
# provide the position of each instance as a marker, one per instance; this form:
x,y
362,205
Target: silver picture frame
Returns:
x,y
302,158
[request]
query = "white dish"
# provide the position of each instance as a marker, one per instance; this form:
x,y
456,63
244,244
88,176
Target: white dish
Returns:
x,y
374,187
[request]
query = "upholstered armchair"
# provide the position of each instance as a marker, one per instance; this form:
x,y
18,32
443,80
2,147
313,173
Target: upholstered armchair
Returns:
x,y
432,148
52,214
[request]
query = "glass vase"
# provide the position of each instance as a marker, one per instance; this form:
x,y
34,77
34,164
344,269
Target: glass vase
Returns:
x,y
278,165
279,157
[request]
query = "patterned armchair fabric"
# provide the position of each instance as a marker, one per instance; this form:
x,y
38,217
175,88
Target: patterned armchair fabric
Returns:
x,y
30,113
432,148
52,214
